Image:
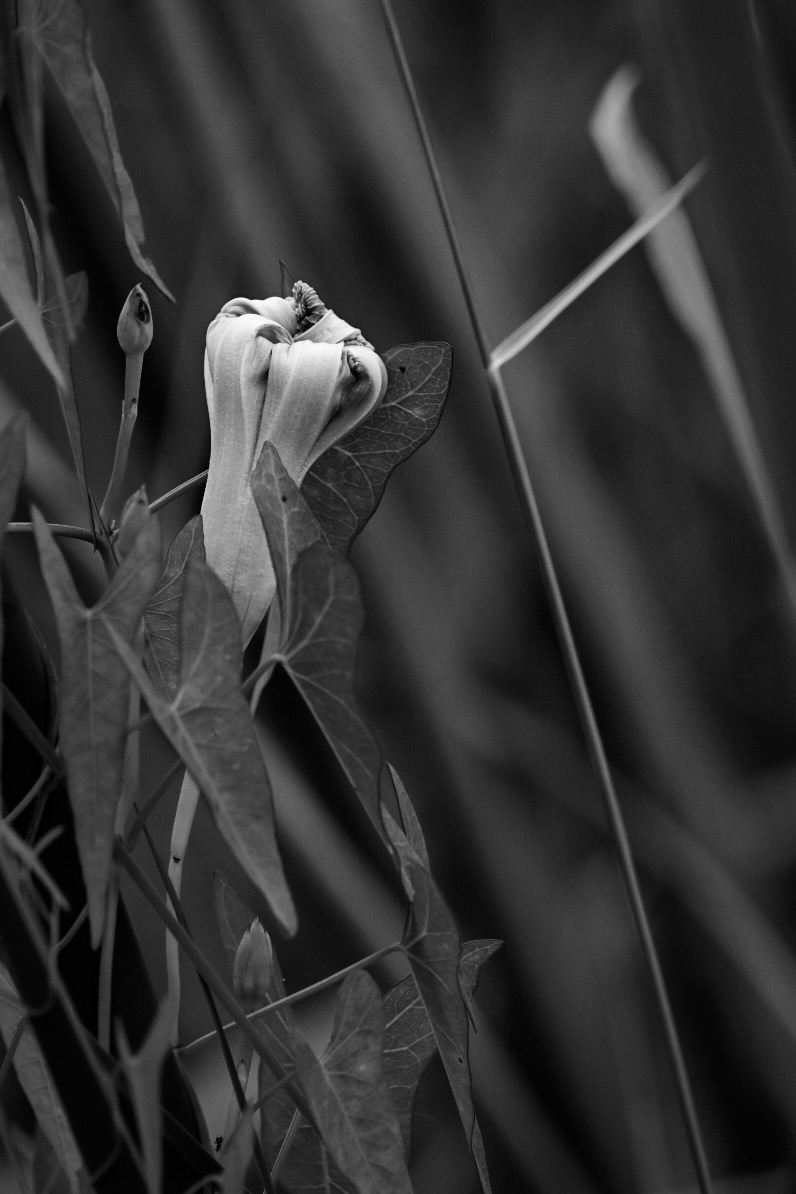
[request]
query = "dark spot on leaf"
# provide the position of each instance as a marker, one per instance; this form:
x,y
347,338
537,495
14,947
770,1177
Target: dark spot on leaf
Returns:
x,y
219,1140
402,368
175,858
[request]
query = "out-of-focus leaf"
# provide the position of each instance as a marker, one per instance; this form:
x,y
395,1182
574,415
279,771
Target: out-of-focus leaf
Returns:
x,y
15,287
473,956
346,1091
433,948
62,37
142,1071
36,1081
236,1155
162,616
95,695
209,724
345,485
320,624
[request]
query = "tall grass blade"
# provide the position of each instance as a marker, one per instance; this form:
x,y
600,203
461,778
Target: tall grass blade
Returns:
x,y
662,207
569,649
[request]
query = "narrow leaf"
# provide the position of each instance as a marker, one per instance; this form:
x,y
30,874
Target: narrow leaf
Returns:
x,y
61,34
409,819
162,616
473,956
533,327
37,1082
15,287
209,724
346,1092
433,949
95,695
320,621
345,485
143,1070
61,328
35,249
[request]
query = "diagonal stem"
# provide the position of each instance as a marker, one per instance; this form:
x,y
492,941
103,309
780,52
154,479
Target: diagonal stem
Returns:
x,y
566,639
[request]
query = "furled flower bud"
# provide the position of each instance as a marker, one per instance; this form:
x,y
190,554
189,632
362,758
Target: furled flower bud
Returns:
x,y
134,515
251,976
134,329
289,371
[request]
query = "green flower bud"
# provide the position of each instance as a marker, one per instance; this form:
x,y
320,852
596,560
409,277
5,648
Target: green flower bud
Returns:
x,y
292,372
134,329
251,976
134,515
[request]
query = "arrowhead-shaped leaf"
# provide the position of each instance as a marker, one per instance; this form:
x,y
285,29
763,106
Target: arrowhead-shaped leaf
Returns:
x,y
321,618
345,485
162,616
409,1041
433,948
346,1092
36,1081
15,287
62,37
142,1071
209,724
95,695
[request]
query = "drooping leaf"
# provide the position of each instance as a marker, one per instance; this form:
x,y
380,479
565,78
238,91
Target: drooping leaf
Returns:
x,y
62,37
95,695
433,948
345,485
162,616
142,1071
346,1092
15,288
409,818
209,724
319,627
233,917
37,1082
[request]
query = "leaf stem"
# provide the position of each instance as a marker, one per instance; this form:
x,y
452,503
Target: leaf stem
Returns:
x,y
569,649
57,528
237,1087
112,502
178,491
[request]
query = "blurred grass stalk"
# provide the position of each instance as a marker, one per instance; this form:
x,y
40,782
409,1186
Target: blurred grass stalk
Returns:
x,y
580,690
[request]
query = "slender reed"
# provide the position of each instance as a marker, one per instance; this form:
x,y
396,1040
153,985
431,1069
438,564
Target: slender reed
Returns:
x,y
525,491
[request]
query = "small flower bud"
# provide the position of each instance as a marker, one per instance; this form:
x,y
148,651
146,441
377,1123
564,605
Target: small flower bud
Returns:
x,y
134,329
134,515
251,976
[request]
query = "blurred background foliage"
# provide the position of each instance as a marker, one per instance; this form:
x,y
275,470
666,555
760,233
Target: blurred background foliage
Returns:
x,y
256,130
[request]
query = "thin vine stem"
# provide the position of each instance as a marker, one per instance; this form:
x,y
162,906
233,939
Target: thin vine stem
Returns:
x,y
178,491
593,736
305,992
65,530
